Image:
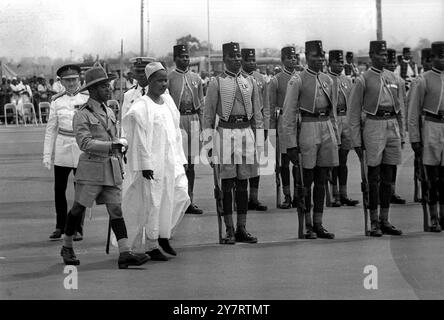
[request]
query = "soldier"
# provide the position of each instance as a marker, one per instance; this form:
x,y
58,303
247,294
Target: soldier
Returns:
x,y
342,86
426,59
277,89
60,140
311,94
377,94
426,99
391,66
234,97
99,174
407,68
249,69
141,87
186,90
350,68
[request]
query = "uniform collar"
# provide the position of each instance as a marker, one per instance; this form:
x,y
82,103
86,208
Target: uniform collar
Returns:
x,y
375,70
181,71
231,74
247,73
437,71
312,72
332,73
290,73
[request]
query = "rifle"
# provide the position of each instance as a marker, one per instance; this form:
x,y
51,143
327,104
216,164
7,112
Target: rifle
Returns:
x,y
425,187
277,166
300,190
364,190
417,178
218,195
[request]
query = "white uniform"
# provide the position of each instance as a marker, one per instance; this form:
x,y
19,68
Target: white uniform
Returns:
x,y
131,96
59,130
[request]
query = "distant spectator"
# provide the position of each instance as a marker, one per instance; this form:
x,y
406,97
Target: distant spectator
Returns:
x,y
57,87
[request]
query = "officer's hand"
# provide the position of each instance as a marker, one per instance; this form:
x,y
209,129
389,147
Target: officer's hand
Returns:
x,y
47,163
416,146
148,174
185,166
359,152
293,155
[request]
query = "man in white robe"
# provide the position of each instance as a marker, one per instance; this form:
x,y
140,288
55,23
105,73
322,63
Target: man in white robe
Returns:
x,y
154,208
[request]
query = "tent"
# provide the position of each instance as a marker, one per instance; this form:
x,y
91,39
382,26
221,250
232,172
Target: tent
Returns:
x,y
7,71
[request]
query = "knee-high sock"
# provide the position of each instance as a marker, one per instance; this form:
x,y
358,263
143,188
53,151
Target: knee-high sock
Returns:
x,y
373,184
285,174
320,178
241,202
190,173
308,181
254,188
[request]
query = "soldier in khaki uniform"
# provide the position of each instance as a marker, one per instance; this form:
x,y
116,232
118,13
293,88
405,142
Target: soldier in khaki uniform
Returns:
x,y
378,95
99,173
234,98
186,90
426,130
277,88
249,68
311,95
342,85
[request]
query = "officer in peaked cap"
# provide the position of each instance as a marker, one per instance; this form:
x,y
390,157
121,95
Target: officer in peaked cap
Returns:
x,y
342,86
378,95
277,89
186,90
141,88
391,66
234,97
407,69
426,107
308,122
59,129
249,69
426,59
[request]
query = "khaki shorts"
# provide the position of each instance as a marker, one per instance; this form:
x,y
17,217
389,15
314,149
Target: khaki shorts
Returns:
x,y
344,133
433,135
85,194
382,141
240,171
318,143
190,129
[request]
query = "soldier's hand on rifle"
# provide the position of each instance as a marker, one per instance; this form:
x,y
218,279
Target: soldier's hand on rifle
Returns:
x,y
359,152
416,146
148,174
121,145
293,155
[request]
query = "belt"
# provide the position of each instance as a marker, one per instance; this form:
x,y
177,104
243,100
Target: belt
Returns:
x,y
189,111
68,133
279,111
235,122
342,109
320,115
434,117
383,113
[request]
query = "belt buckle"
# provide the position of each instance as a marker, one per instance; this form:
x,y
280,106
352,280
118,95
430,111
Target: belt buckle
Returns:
x,y
237,120
322,113
387,113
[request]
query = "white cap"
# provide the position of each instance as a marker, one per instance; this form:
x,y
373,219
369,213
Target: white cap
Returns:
x,y
152,68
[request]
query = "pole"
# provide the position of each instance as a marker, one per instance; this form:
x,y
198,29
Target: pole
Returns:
x,y
147,30
378,20
141,28
209,48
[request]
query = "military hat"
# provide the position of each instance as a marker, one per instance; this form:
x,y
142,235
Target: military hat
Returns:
x,y
437,47
405,50
349,54
391,56
288,51
337,55
248,53
378,46
139,63
314,46
230,48
94,76
180,49
69,71
426,53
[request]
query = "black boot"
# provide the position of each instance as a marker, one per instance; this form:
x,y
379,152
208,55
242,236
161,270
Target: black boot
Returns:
x,y
242,235
69,257
309,233
229,237
322,233
256,205
156,255
164,243
128,258
193,209
56,235
396,199
388,228
375,230
287,203
348,202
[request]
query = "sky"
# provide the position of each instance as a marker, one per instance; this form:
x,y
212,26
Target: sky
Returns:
x,y
62,28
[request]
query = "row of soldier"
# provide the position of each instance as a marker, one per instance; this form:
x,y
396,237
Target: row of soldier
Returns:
x,y
319,117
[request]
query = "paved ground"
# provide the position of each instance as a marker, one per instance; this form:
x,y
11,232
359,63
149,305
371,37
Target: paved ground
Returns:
x,y
278,267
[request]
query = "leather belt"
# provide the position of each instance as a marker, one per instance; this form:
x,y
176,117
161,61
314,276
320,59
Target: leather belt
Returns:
x,y
341,109
317,113
434,117
235,122
68,133
187,112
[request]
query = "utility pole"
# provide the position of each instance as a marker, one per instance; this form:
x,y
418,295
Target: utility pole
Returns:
x,y
209,47
141,28
147,29
378,20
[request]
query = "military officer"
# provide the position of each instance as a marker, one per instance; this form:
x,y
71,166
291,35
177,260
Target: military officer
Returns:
x,y
234,98
342,86
391,66
311,94
60,141
426,130
378,95
277,89
249,68
99,174
186,90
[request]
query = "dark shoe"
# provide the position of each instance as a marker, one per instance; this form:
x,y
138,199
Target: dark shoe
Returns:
x,y
375,231
69,258
156,255
193,209
396,199
435,227
310,234
165,245
348,202
229,238
322,233
131,259
242,235
286,204
77,237
336,203
256,205
390,229
56,235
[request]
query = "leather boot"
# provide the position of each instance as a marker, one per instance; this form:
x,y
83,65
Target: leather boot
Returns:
x,y
435,227
256,205
321,232
386,226
229,237
156,255
375,230
287,203
56,235
69,257
164,243
129,258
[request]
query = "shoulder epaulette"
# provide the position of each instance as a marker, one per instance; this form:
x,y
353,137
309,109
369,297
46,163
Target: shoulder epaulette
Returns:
x,y
58,95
